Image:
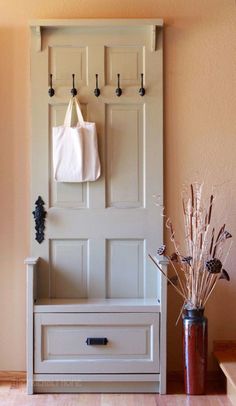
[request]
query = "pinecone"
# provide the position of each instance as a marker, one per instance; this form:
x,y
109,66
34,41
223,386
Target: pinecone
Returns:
x,y
174,257
224,275
174,279
187,260
213,265
227,234
161,250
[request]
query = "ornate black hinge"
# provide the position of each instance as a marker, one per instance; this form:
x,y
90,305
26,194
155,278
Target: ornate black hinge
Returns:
x,y
39,216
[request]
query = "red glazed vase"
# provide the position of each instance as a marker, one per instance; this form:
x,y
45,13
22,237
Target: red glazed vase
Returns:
x,y
195,337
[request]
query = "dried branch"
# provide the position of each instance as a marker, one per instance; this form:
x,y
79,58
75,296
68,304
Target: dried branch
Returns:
x,y
197,272
169,280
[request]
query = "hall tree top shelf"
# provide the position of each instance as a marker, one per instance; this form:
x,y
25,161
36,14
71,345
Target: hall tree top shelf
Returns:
x,y
95,22
152,24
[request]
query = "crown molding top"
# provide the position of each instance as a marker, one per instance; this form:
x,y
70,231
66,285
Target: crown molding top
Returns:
x,y
152,24
96,22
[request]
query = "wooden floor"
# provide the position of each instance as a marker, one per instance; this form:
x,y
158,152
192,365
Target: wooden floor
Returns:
x,y
13,393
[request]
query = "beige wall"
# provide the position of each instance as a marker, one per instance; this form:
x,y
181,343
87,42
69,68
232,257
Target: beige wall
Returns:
x,y
200,138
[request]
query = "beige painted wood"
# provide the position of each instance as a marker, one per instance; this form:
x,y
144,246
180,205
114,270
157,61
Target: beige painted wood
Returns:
x,y
31,264
90,383
119,209
151,24
98,387
98,234
97,305
94,22
60,343
70,255
119,306
97,377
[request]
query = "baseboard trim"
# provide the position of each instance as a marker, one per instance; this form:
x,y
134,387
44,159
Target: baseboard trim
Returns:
x,y
212,376
224,345
12,376
172,376
175,376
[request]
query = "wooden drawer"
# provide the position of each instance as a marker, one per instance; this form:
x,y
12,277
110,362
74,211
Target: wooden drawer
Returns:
x,y
132,347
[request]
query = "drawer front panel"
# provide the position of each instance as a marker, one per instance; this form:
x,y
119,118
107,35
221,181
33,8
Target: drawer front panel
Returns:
x,y
121,343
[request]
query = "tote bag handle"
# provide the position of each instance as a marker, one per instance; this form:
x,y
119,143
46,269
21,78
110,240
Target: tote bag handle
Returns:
x,y
68,116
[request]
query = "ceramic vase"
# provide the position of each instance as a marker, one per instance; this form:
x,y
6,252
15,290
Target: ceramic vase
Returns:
x,y
195,338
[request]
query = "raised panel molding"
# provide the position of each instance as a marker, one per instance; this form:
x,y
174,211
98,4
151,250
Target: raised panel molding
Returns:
x,y
125,268
128,61
61,343
66,60
68,268
125,150
62,194
72,339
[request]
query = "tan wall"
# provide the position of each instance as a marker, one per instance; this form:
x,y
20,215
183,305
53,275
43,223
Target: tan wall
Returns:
x,y
200,138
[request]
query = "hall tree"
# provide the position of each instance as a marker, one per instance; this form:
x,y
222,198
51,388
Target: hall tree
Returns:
x,y
96,304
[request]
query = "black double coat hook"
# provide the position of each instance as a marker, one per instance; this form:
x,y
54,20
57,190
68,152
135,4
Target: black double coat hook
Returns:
x,y
73,90
51,91
141,90
97,90
118,89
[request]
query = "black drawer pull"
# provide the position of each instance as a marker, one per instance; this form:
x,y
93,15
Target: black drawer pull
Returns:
x,y
96,341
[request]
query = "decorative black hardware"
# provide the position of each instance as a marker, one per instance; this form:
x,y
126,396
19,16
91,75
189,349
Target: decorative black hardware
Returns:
x,y
39,216
141,90
96,341
73,90
51,91
118,90
97,90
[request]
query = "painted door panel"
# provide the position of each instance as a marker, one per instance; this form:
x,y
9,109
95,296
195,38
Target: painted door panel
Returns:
x,y
98,234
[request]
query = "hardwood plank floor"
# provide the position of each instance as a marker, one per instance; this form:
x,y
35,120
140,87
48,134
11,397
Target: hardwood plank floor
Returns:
x,y
13,394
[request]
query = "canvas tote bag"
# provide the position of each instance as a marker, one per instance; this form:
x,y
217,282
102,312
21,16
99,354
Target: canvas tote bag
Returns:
x,y
75,149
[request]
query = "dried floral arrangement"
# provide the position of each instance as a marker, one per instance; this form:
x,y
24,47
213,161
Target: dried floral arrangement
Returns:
x,y
202,265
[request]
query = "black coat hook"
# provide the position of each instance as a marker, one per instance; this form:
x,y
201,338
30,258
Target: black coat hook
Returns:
x,y
73,90
118,90
97,90
141,90
51,91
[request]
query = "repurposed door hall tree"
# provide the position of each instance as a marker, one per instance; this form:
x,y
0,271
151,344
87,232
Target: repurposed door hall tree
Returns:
x,y
96,306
